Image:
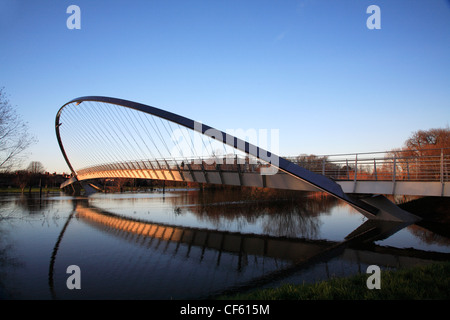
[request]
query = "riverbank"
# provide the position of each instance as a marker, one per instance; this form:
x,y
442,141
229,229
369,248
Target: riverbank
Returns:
x,y
431,282
27,190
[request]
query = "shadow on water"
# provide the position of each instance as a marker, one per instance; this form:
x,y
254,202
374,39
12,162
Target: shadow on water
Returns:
x,y
289,213
32,202
435,212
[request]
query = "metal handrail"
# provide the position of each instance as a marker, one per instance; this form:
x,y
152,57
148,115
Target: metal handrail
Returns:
x,y
391,167
408,165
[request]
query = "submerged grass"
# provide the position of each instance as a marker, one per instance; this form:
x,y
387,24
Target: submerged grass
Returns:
x,y
430,282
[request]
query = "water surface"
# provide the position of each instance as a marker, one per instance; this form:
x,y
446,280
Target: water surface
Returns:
x,y
188,244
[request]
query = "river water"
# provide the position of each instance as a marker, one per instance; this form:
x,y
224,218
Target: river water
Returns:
x,y
191,244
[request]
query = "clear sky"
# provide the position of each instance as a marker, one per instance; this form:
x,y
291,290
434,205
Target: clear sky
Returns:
x,y
310,68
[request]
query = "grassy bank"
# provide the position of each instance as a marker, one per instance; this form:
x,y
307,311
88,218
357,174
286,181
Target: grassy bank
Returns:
x,y
422,283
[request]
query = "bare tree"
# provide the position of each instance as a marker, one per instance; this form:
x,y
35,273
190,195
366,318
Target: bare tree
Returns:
x,y
14,136
36,167
428,142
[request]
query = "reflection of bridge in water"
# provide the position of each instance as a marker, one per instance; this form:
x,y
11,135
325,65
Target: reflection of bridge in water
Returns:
x,y
266,258
235,243
114,138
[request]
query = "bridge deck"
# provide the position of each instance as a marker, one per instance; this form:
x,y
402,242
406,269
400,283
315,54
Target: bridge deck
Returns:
x,y
249,175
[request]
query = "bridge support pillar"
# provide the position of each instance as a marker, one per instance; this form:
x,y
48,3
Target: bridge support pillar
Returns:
x,y
88,188
389,211
73,188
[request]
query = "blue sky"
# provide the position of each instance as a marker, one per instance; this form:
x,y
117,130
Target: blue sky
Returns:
x,y
310,68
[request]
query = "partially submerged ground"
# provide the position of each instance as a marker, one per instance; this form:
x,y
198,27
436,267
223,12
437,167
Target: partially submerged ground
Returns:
x,y
431,282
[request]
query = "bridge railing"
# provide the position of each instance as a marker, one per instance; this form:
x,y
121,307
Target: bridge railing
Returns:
x,y
425,165
231,163
409,165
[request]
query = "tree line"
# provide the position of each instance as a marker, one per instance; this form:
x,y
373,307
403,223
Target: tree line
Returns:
x,y
34,176
423,156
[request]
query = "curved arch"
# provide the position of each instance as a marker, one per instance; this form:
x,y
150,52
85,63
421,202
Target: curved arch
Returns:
x,y
317,181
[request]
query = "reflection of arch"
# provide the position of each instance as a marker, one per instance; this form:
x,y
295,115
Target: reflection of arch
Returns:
x,y
300,253
275,247
292,250
54,254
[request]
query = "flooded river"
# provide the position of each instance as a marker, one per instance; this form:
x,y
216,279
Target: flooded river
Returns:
x,y
192,244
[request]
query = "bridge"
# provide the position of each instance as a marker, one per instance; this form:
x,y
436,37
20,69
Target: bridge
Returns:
x,y
103,137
